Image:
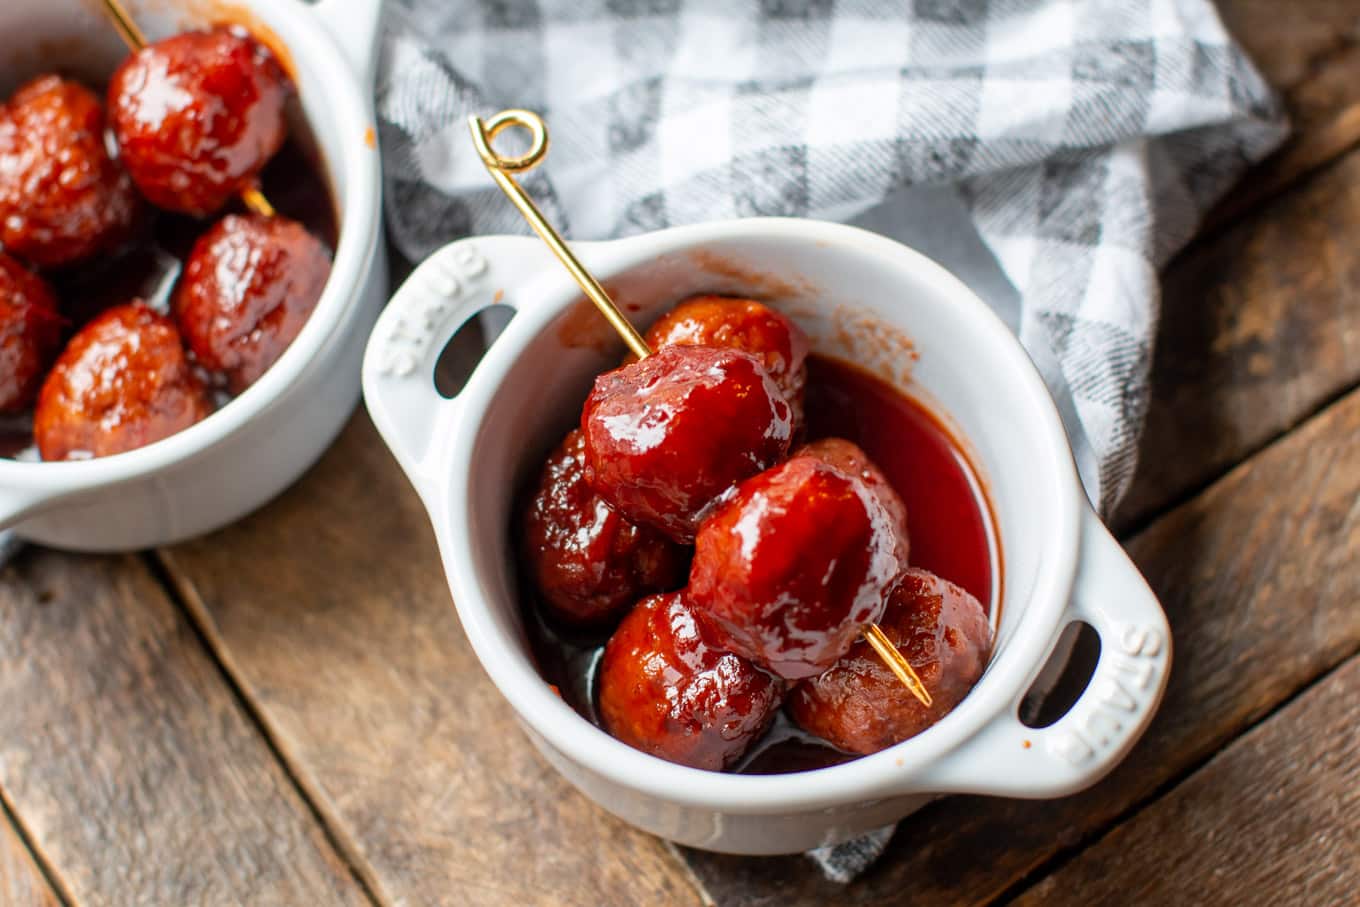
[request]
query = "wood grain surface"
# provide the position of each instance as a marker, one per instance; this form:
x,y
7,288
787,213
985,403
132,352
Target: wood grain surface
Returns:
x,y
1259,578
21,881
1259,328
1307,50
332,611
1256,332
127,759
1270,820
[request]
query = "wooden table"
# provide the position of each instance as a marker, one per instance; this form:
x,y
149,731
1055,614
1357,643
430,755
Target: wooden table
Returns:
x,y
287,712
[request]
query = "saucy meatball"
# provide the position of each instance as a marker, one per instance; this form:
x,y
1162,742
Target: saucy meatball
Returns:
x,y
861,707
667,690
741,324
62,198
790,568
122,382
665,436
851,460
589,563
197,116
248,287
30,334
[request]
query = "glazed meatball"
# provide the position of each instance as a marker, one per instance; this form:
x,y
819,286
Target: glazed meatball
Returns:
x,y
62,198
248,287
30,334
851,460
789,569
741,324
665,436
122,382
861,707
197,116
589,563
667,690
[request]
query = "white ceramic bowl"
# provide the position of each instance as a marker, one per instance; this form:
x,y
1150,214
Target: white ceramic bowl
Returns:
x,y
259,443
859,296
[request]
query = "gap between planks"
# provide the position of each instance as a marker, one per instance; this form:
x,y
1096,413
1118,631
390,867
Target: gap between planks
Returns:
x,y
1061,858
56,886
1279,721
184,598
182,594
1137,527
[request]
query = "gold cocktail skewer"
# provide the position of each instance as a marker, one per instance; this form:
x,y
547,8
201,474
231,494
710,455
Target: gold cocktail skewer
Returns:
x,y
501,168
897,663
133,37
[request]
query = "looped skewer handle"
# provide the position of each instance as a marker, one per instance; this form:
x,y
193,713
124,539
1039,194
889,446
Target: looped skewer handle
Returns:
x,y
501,168
132,36
483,134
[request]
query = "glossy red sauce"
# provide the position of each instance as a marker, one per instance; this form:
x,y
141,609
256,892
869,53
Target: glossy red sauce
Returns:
x,y
948,517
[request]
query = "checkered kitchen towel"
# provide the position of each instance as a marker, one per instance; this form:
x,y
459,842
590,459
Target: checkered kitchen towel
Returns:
x,y
1083,140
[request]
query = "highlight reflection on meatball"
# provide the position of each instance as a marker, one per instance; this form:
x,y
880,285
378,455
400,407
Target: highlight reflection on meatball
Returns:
x,y
791,567
666,689
62,198
122,382
30,334
667,435
740,324
589,563
861,707
197,116
249,285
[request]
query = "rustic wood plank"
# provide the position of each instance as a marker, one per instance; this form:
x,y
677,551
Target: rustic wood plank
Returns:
x,y
1255,331
1259,328
332,611
1270,820
1304,48
135,770
1308,51
22,883
1259,579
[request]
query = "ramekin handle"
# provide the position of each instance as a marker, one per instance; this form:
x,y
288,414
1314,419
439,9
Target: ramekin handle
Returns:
x,y
439,297
354,24
1009,759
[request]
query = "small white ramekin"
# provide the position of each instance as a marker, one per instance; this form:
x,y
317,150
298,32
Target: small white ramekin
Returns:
x,y
259,443
861,297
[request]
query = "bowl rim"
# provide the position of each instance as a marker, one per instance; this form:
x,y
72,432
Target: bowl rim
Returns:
x,y
350,162
896,771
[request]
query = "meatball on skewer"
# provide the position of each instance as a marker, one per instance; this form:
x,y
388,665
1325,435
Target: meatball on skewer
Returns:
x,y
741,324
859,706
667,435
790,569
197,116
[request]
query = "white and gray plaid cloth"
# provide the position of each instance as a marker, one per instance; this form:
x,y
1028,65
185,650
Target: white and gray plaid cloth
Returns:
x,y
1055,153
